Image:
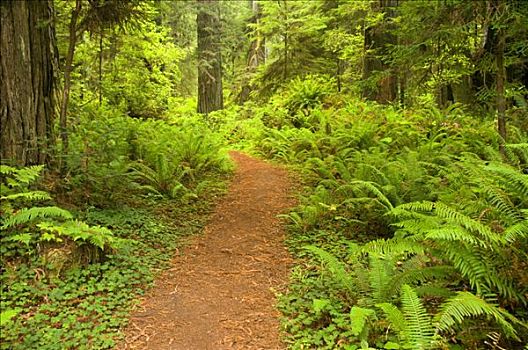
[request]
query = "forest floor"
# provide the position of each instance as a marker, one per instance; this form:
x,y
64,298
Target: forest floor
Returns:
x,y
220,291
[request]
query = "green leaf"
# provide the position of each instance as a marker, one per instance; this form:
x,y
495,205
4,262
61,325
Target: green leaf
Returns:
x,y
319,305
359,316
7,315
23,238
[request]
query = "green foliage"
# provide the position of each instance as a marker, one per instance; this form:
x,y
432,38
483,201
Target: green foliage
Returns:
x,y
86,306
409,220
418,332
34,225
113,154
441,213
293,30
465,304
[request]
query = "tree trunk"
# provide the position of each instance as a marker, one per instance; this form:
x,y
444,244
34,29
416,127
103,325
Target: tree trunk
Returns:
x,y
27,81
384,89
256,53
100,75
286,43
210,97
68,67
501,80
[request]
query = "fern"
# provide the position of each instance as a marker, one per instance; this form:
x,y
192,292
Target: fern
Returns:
x,y
29,196
418,331
464,305
379,274
359,317
513,178
372,188
336,268
97,236
17,177
480,272
42,224
412,276
394,316
518,151
28,215
455,234
393,247
517,231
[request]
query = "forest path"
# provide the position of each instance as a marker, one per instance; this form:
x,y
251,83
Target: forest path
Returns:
x,y
219,292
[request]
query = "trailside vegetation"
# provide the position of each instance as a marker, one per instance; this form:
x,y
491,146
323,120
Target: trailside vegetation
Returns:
x,y
407,122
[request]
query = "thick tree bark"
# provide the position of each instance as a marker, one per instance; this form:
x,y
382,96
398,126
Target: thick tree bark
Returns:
x,y
376,40
27,81
210,96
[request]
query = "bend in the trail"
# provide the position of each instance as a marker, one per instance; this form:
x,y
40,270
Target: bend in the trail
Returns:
x,y
219,293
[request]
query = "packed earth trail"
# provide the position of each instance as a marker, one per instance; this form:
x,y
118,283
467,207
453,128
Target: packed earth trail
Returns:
x,y
220,293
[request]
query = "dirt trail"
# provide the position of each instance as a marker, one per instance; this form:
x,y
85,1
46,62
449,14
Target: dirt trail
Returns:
x,y
219,293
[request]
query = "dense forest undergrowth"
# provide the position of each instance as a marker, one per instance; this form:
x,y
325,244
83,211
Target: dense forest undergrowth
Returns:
x,y
406,121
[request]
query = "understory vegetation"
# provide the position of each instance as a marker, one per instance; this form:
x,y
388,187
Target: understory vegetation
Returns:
x,y
70,277
406,120
411,231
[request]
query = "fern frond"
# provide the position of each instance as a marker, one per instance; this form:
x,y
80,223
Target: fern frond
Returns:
x,y
464,305
413,276
379,273
17,177
519,150
424,207
514,232
474,226
419,332
481,275
358,318
394,316
7,170
30,196
453,217
343,170
513,178
502,203
27,215
376,175
371,187
455,234
336,268
393,247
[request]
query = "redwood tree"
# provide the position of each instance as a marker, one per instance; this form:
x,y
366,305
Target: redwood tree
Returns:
x,y
27,81
377,41
256,54
210,96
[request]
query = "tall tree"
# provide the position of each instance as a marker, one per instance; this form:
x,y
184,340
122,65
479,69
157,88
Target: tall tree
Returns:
x,y
27,81
378,38
210,96
294,37
501,77
256,52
